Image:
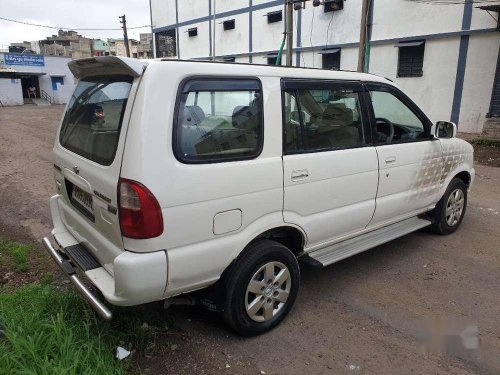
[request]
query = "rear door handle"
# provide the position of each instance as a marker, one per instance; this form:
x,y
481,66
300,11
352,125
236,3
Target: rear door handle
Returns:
x,y
390,160
300,175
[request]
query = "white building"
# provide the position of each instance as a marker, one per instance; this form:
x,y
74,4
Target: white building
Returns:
x,y
444,55
49,75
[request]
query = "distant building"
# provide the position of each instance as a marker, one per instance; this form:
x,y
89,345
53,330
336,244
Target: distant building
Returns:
x,y
100,48
67,43
145,46
117,47
49,75
24,47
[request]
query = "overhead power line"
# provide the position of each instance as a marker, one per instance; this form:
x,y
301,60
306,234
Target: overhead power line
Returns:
x,y
69,28
453,2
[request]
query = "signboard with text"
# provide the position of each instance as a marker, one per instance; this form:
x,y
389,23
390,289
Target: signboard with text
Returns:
x,y
24,59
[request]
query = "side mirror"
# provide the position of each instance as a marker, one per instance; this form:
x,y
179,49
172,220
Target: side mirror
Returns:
x,y
445,129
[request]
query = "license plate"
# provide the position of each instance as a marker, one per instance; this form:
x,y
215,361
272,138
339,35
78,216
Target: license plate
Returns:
x,y
83,198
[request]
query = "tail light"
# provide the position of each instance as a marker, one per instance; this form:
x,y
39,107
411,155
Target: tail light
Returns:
x,y
140,213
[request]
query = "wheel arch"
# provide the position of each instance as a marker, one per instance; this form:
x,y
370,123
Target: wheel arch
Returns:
x,y
465,176
289,235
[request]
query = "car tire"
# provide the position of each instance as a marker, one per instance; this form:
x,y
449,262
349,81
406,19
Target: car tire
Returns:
x,y
450,210
261,287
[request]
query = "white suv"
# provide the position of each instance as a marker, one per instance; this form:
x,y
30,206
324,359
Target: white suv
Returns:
x,y
181,176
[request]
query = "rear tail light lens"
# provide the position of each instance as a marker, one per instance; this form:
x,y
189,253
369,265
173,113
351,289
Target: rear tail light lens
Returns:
x,y
140,213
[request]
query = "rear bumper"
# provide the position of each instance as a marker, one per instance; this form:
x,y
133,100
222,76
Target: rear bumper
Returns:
x,y
137,278
70,271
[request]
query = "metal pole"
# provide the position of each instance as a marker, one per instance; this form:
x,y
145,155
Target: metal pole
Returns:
x,y
289,32
123,21
362,36
153,41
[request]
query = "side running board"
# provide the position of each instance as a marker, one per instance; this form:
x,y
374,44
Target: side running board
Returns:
x,y
347,248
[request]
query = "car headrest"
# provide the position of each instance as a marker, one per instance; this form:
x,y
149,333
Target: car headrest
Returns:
x,y
193,115
243,116
338,112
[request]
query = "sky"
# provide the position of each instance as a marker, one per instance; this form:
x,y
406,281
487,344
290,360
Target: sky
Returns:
x,y
72,14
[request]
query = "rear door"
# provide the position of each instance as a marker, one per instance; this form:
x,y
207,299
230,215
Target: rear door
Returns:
x,y
87,159
410,162
330,166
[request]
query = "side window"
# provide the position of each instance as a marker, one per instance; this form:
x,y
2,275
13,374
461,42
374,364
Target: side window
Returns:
x,y
395,121
219,120
325,119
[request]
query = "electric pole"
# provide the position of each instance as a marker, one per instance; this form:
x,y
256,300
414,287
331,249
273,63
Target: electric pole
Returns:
x,y
289,32
123,21
362,35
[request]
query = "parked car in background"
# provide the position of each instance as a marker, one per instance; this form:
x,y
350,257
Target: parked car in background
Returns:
x,y
182,176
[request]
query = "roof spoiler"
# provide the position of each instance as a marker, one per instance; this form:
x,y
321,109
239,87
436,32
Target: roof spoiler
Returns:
x,y
94,66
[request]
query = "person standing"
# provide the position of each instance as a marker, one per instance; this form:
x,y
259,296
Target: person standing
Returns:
x,y
31,91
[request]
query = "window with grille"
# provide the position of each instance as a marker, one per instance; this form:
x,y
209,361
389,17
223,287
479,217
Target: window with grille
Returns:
x,y
166,43
331,60
411,59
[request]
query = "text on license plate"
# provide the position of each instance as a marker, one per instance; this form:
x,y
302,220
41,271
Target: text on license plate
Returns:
x,y
82,197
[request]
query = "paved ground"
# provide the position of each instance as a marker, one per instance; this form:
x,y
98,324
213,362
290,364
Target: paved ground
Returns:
x,y
373,313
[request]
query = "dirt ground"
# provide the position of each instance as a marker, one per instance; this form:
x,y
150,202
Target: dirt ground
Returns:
x,y
487,155
397,309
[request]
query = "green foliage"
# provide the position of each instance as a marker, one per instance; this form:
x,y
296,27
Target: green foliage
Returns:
x,y
18,252
54,332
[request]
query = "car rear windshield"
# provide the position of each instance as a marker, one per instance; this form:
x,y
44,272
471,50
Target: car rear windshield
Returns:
x,y
92,123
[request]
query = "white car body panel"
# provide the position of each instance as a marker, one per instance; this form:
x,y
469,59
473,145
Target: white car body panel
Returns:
x,y
336,188
211,212
409,178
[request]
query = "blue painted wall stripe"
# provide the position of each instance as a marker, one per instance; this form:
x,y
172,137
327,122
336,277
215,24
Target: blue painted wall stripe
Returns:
x,y
462,63
210,28
177,29
349,45
250,31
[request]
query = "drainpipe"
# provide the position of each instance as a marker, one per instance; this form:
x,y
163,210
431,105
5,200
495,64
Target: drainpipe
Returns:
x,y
213,31
369,27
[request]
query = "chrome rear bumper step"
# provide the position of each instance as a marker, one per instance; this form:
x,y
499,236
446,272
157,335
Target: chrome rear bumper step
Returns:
x,y
70,271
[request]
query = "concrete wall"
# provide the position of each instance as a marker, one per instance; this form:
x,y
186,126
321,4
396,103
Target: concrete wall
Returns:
x,y
234,41
11,92
163,12
433,92
396,19
266,36
194,46
343,26
478,83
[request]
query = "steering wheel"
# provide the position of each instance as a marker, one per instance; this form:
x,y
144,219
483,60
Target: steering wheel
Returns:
x,y
383,120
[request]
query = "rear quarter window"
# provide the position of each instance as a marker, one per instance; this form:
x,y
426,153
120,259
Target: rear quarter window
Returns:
x,y
92,122
218,120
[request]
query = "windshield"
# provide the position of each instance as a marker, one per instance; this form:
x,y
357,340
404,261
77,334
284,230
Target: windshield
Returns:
x,y
92,123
